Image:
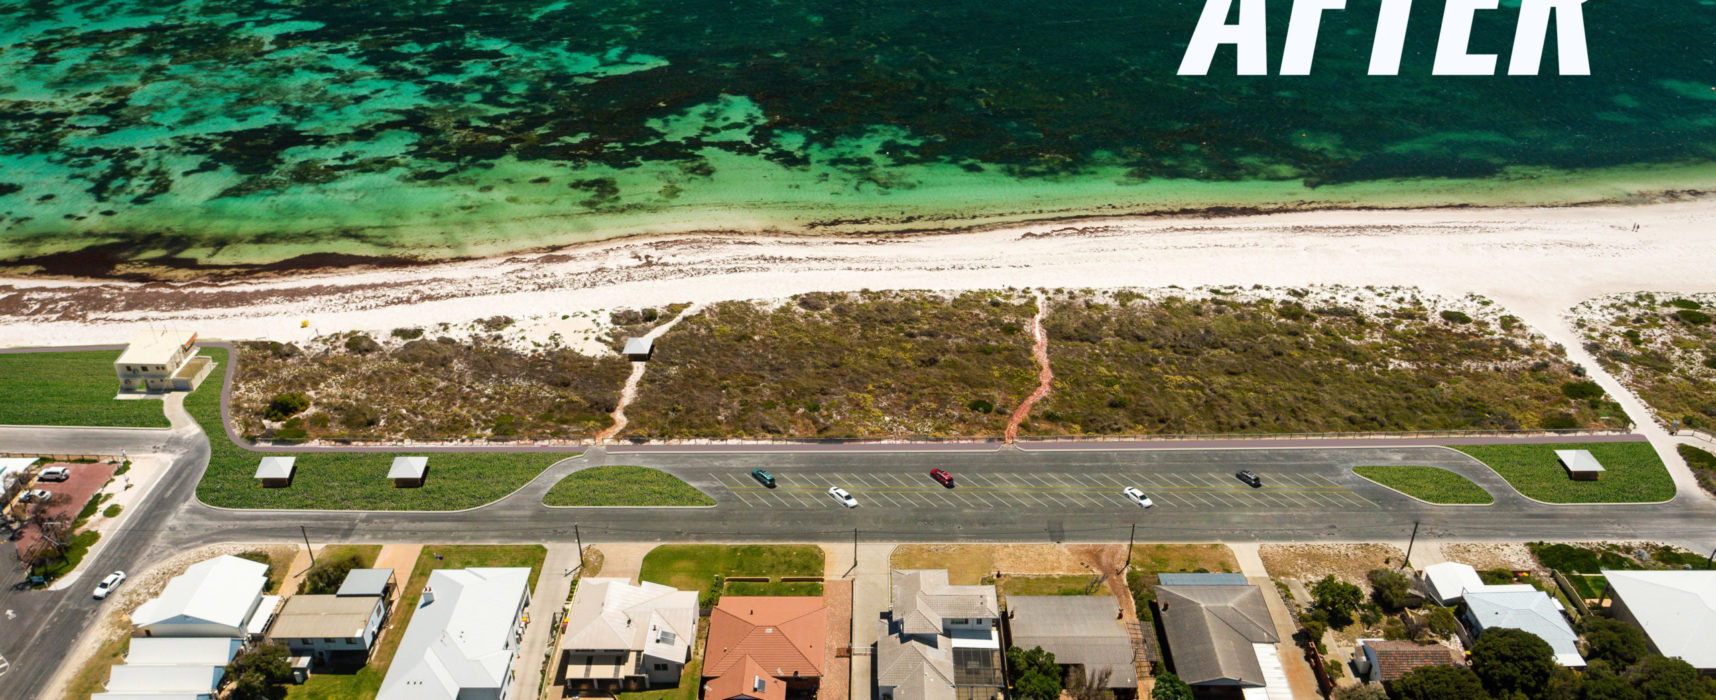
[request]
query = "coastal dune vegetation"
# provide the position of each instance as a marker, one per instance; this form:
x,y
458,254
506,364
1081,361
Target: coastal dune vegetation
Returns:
x,y
1662,347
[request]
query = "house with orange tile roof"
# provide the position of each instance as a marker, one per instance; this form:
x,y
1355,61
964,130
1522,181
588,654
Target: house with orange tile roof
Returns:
x,y
765,648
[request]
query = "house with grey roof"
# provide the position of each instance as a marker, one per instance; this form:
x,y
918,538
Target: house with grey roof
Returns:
x,y
938,637
1676,610
1532,611
620,636
1219,635
1080,630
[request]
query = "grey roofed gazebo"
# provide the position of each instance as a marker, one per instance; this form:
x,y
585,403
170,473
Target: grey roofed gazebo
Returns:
x,y
408,471
275,471
639,349
1580,465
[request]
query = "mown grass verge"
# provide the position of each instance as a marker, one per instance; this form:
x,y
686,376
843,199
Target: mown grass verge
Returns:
x,y
704,568
1633,473
353,480
621,485
70,388
1432,484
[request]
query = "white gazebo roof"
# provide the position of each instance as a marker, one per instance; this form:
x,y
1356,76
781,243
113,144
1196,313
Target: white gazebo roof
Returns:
x,y
408,468
638,346
275,468
1578,461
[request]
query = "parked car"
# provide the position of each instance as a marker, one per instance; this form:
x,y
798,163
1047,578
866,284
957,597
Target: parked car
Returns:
x,y
841,495
55,474
942,477
763,477
108,584
34,496
1250,478
1138,497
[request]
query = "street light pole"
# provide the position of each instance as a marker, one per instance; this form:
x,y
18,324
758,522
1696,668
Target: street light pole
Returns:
x,y
1409,543
312,550
1130,543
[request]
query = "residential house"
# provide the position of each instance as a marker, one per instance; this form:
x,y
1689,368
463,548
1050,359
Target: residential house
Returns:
x,y
213,598
1382,661
765,647
161,361
1676,610
330,627
938,637
463,637
624,637
1220,635
1532,611
1082,631
1449,582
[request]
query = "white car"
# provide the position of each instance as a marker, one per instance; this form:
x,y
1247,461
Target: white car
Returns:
x,y
1138,497
108,584
54,474
35,496
841,495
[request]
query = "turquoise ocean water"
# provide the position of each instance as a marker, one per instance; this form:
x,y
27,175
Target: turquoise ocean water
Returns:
x,y
245,131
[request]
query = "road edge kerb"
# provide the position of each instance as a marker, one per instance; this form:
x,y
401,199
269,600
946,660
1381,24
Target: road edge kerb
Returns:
x,y
1517,492
1354,471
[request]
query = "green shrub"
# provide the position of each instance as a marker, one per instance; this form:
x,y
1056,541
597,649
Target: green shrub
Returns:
x,y
1685,304
1338,599
112,511
285,406
1456,317
407,333
1582,390
980,406
362,344
326,576
1692,318
1390,588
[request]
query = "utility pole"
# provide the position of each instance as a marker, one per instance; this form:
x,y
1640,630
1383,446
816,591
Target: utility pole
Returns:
x,y
855,546
1131,541
580,538
1409,543
1711,559
307,546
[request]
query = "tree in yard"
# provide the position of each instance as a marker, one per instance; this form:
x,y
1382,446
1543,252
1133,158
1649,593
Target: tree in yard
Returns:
x,y
1337,598
1035,674
1598,682
1661,678
1367,691
325,578
1513,663
1438,683
1611,640
261,673
1170,687
1389,588
1082,686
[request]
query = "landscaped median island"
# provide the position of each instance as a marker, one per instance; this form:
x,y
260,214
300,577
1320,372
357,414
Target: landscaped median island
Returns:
x,y
354,480
70,388
620,485
1432,484
707,568
1632,472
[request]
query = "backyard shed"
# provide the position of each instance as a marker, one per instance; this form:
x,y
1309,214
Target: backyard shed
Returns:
x,y
276,471
1580,465
639,349
408,471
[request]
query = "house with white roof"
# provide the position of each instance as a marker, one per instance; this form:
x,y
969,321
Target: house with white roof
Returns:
x,y
213,598
161,361
463,637
932,628
624,637
1676,610
195,680
11,468
1449,582
1530,611
182,651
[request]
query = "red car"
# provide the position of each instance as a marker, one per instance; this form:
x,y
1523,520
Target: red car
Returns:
x,y
941,477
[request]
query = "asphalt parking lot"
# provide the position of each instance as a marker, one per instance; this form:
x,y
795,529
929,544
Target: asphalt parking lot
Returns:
x,y
1041,490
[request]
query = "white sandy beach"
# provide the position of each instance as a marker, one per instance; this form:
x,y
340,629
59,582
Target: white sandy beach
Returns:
x,y
1538,262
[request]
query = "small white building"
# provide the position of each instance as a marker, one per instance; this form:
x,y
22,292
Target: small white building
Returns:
x,y
276,471
639,349
463,637
161,361
1580,465
1449,582
213,598
408,471
1530,611
1676,610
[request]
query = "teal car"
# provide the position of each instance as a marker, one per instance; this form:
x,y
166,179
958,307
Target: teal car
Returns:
x,y
763,477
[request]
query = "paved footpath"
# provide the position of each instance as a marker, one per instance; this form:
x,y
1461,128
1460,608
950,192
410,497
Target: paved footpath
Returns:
x,y
870,597
553,585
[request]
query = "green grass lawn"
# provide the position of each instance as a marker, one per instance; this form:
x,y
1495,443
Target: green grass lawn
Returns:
x,y
693,567
1633,473
624,486
70,388
1070,584
366,682
1432,484
354,480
